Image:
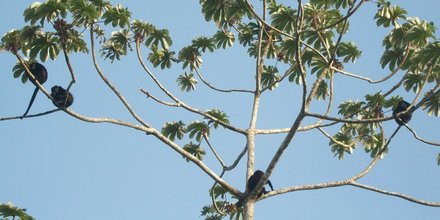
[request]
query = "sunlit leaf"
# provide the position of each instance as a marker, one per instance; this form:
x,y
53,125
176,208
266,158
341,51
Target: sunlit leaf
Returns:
x,y
187,82
174,129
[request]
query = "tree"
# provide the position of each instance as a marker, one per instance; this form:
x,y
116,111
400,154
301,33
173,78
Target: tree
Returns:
x,y
302,46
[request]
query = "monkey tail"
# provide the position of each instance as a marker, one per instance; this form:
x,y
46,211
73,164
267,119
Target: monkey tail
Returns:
x,y
31,102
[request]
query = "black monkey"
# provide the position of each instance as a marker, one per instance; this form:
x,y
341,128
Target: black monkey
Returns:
x,y
61,98
401,107
252,183
40,74
401,119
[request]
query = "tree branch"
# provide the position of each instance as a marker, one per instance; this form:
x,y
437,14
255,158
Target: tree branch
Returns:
x,y
217,89
396,194
109,84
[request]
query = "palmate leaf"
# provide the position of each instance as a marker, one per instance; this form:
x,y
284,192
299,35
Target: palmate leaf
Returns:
x,y
392,58
161,37
322,92
373,144
270,77
432,105
174,129
187,82
284,18
83,12
190,57
47,46
219,115
224,39
195,150
49,11
197,129
413,81
117,16
340,150
111,50
419,31
8,211
161,57
389,15
248,33
348,51
350,108
122,38
11,41
18,70
203,44
142,29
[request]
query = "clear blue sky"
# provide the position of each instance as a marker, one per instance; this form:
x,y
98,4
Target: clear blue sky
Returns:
x,y
61,168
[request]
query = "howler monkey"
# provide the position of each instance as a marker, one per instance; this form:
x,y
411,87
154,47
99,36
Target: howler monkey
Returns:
x,y
252,183
401,107
40,74
61,98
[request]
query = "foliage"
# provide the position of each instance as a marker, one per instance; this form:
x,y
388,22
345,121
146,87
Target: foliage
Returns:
x,y
307,41
8,211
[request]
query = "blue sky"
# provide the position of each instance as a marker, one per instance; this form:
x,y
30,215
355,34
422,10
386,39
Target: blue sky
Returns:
x,y
61,168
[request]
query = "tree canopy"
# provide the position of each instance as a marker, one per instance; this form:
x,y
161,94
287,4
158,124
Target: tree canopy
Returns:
x,y
280,71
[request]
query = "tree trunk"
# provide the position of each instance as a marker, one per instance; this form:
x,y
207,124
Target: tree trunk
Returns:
x,y
249,207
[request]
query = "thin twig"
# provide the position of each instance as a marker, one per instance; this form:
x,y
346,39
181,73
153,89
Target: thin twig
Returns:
x,y
29,116
110,85
419,138
217,89
396,194
158,100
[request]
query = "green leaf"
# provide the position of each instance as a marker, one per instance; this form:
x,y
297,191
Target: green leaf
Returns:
x,y
187,82
142,29
195,150
8,210
413,81
348,51
174,129
203,44
46,46
322,92
392,58
339,149
247,33
419,32
389,15
117,15
284,18
161,37
224,39
220,116
349,108
190,57
432,105
161,57
49,11
83,12
197,129
270,77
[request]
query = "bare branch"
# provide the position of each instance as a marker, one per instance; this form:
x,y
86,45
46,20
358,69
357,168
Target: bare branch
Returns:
x,y
109,84
217,89
396,194
419,138
158,100
217,156
29,116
